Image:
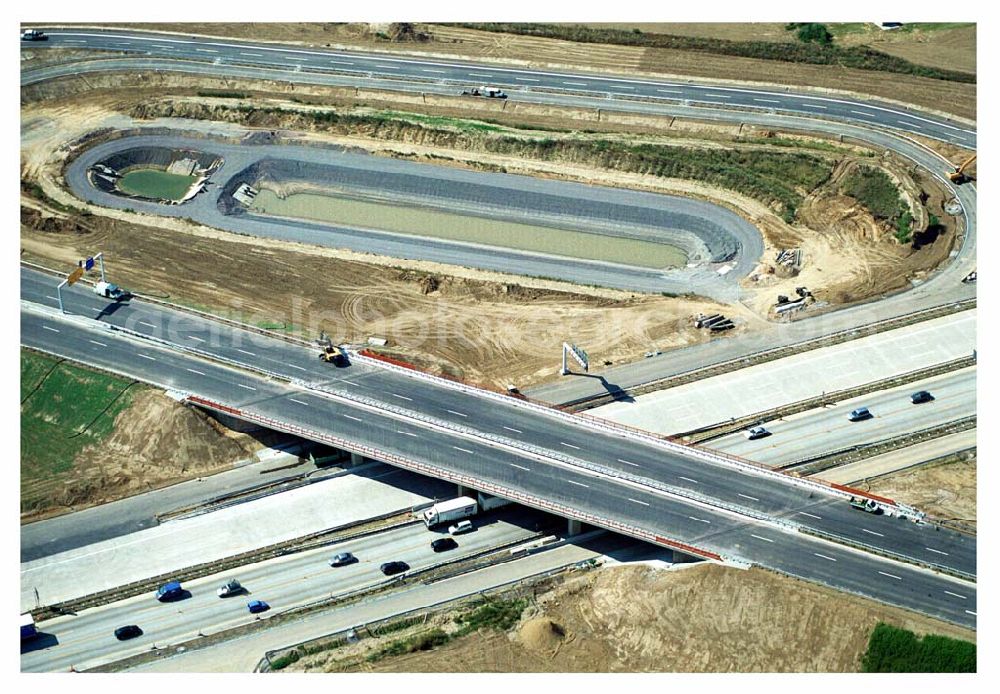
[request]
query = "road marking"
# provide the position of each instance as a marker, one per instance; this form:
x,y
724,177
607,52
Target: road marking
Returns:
x,y
765,539
460,414
255,55
720,96
205,50
99,344
936,551
407,433
707,101
767,101
145,356
352,417
401,397
292,58
971,612
569,445
293,366
245,386
301,402
670,91
520,467
627,462
195,337
955,595
54,298
245,352
142,322
429,70
479,74
823,556
636,501
619,86
525,79
864,113
579,484
45,327
464,450
196,372
688,479
871,532
516,431
700,520
745,496
898,578
577,84
803,513
339,62
910,125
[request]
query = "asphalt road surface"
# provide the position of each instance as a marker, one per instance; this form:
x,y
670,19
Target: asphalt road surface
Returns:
x,y
596,493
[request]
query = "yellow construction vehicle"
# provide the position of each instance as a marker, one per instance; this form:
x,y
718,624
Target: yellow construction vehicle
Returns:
x,y
332,354
958,175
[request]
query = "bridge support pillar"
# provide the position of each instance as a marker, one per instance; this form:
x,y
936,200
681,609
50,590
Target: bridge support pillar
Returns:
x,y
357,459
573,527
465,491
680,557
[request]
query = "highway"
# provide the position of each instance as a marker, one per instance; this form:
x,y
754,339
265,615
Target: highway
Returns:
x,y
298,579
821,431
571,487
511,425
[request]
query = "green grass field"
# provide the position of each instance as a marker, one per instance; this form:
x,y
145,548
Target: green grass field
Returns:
x,y
63,409
897,650
153,183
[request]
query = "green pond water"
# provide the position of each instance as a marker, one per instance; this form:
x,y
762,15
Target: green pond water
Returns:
x,y
154,183
456,227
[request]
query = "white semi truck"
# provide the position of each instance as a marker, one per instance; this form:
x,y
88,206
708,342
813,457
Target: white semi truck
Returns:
x,y
455,510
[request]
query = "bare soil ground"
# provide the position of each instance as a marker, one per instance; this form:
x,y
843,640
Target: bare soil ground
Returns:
x,y
155,442
704,618
946,491
937,95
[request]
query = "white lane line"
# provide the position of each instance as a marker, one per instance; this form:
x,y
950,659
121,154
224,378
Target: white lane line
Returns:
x,y
45,327
356,419
670,91
401,397
200,373
577,84
350,383
246,352
95,342
478,74
700,520
811,515
910,125
525,79
687,479
619,86
293,366
340,62
955,595
254,55
936,551
241,385
823,556
301,402
205,50
898,578
54,298
871,532
146,356
196,338
708,101
628,462
142,322
292,58
971,612
719,96
460,414
516,431
569,445
429,70
636,501
579,484
387,67
464,450
520,467
765,539
406,433
767,101
864,113
747,496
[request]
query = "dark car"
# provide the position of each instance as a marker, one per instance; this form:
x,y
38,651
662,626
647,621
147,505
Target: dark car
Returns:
x,y
33,35
391,568
754,433
342,559
443,544
921,396
256,606
127,632
859,414
169,591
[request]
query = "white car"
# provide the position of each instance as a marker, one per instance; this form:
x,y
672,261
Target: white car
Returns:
x,y
231,588
460,527
756,433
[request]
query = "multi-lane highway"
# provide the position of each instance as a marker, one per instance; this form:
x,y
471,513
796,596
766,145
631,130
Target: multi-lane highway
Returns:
x,y
87,638
549,476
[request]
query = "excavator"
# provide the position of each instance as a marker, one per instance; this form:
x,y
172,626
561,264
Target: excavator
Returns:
x,y
332,354
958,176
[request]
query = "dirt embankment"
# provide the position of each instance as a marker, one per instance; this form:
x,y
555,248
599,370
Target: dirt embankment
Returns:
x,y
704,618
946,491
156,441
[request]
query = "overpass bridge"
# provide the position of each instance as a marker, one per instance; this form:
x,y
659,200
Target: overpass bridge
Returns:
x,y
676,496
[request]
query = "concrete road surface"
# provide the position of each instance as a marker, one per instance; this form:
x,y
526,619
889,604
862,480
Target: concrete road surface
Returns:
x,y
900,460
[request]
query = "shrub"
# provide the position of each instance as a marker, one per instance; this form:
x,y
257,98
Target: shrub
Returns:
x,y
814,33
897,650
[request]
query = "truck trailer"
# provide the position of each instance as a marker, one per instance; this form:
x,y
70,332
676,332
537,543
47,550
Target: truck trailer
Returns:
x,y
455,510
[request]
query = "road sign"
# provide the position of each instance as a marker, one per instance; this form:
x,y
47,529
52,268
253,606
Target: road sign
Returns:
x,y
88,264
75,275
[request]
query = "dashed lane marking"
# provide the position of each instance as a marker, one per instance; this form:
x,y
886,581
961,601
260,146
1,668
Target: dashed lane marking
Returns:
x,y
955,595
765,539
747,496
293,366
401,397
95,342
200,373
407,433
871,532
898,578
460,414
246,352
196,338
569,445
301,402
823,556
936,551
811,515
241,385
636,501
687,479
45,327
516,431
147,324
579,484
146,356
628,462
520,467
356,419
700,520
464,450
